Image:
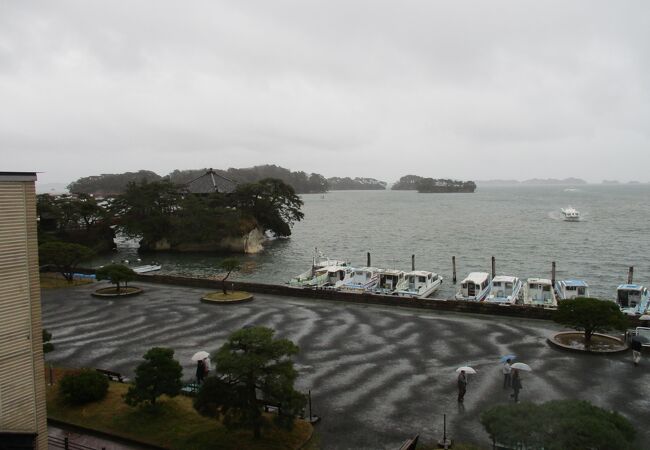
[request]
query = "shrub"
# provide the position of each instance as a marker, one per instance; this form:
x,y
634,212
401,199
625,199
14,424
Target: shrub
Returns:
x,y
83,387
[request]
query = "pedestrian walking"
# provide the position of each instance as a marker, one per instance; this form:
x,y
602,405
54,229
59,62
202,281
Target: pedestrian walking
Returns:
x,y
200,371
516,385
507,378
462,385
636,350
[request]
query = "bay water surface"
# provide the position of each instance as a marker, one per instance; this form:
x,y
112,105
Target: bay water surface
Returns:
x,y
520,226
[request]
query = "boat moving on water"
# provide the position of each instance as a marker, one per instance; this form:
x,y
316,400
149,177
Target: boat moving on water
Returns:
x,y
633,299
505,290
568,289
419,283
475,287
539,292
570,214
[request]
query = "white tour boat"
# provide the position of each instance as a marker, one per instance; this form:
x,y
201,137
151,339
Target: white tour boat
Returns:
x,y
539,292
389,279
326,277
568,289
475,287
419,283
570,214
362,280
505,290
633,299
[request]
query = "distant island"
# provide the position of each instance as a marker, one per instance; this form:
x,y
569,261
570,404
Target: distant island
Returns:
x,y
431,185
533,182
356,184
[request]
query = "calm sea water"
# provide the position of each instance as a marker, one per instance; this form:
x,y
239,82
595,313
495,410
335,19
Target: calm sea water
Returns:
x,y
520,226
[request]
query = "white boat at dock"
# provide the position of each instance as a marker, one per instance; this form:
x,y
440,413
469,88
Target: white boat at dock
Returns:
x,y
325,277
418,283
147,268
570,214
319,261
539,292
568,289
505,290
389,279
633,299
362,280
475,287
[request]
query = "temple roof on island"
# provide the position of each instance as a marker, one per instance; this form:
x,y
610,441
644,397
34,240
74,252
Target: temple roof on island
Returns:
x,y
210,182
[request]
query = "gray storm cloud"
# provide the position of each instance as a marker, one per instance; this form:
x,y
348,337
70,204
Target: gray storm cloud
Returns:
x,y
469,89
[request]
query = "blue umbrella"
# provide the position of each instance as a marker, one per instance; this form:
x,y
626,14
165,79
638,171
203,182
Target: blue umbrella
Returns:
x,y
508,357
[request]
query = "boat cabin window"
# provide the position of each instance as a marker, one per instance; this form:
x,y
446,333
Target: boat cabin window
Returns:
x,y
497,284
547,288
422,279
509,285
464,285
571,288
623,298
581,291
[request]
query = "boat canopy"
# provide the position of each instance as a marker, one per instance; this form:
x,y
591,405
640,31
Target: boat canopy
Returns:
x,y
543,281
506,278
630,287
575,283
477,277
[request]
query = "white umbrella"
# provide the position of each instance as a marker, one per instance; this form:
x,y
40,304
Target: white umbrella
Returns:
x,y
200,355
521,366
467,369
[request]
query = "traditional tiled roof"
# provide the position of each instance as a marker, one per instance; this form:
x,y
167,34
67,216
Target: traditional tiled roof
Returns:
x,y
211,181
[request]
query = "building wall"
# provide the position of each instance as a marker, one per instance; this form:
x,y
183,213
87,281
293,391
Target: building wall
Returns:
x,y
22,376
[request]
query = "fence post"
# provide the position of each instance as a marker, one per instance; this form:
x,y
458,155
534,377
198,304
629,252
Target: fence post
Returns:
x,y
65,443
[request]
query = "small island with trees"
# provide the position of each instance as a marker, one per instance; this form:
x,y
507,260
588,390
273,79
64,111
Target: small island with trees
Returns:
x,y
432,185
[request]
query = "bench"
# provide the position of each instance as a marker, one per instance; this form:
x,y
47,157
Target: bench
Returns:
x,y
113,376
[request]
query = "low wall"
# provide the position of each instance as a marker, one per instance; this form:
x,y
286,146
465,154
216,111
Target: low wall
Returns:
x,y
372,299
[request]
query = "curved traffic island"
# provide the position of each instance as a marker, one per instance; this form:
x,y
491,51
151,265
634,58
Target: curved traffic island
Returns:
x,y
574,341
231,298
112,292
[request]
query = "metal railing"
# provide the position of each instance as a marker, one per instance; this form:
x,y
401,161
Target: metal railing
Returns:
x,y
64,443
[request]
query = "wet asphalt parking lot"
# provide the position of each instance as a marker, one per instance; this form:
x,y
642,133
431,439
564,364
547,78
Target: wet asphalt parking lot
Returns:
x,y
377,374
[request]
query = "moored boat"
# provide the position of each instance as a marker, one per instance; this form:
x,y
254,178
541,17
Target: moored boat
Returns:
x,y
319,261
633,299
568,289
505,290
475,287
418,283
388,281
570,214
539,292
361,280
147,268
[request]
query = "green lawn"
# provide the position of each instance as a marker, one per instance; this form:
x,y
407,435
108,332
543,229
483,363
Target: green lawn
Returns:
x,y
175,425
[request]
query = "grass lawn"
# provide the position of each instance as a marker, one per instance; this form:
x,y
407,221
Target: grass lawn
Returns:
x,y
175,425
52,280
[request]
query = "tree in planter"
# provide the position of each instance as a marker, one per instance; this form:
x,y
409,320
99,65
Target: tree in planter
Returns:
x,y
252,362
558,425
116,274
64,256
159,374
229,265
590,315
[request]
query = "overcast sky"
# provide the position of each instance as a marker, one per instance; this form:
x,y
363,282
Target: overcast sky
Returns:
x,y
463,89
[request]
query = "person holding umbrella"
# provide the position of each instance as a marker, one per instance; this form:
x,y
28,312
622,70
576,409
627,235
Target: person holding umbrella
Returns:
x,y
506,369
201,367
462,386
636,350
516,384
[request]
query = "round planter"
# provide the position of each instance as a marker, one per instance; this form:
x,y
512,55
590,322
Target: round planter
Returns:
x,y
110,292
601,343
232,298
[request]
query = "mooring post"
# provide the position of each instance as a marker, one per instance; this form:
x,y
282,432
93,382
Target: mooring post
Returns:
x,y
553,274
368,255
412,262
309,395
630,275
453,265
494,267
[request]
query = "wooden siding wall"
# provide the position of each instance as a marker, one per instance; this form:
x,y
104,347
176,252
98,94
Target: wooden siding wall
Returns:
x,y
22,376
